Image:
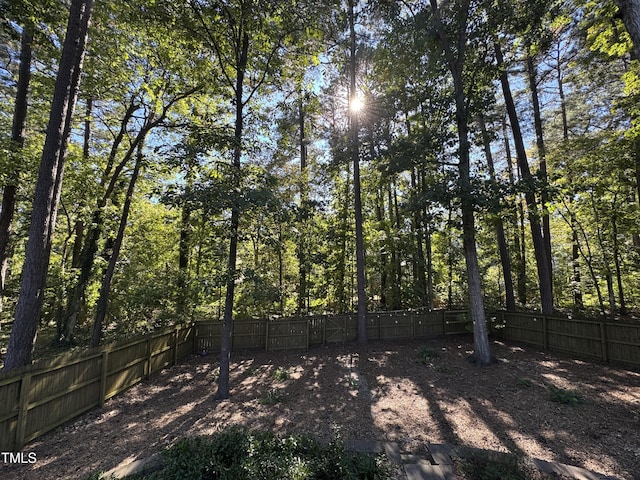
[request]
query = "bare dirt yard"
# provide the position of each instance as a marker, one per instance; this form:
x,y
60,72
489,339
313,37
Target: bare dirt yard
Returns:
x,y
410,392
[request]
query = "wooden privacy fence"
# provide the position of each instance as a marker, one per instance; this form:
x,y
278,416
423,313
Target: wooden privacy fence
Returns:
x,y
42,396
606,341
305,332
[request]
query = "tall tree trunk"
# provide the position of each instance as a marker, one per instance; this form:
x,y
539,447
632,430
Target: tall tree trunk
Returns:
x,y
17,139
517,225
420,275
578,303
108,181
383,249
227,319
304,212
481,350
357,197
616,262
184,246
396,264
630,10
542,159
542,263
505,259
48,188
103,299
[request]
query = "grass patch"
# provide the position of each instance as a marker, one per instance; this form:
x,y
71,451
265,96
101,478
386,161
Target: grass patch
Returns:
x,y
238,453
568,397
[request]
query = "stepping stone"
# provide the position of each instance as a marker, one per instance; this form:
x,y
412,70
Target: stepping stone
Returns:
x,y
567,470
440,453
429,472
391,449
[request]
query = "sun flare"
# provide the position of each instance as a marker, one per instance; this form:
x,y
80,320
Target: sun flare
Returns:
x,y
357,104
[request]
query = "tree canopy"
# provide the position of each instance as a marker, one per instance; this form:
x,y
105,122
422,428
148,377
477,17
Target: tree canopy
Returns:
x,y
212,168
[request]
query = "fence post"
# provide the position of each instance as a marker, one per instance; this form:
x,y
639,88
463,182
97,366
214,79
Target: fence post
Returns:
x,y
444,322
603,339
324,329
103,377
413,326
147,363
266,335
176,334
308,328
23,410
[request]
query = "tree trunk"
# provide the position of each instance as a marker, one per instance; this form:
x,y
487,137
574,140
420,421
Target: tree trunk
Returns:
x,y
90,248
616,262
227,319
304,212
518,226
542,159
48,187
630,10
481,351
420,275
17,138
505,259
103,299
542,263
357,197
184,245
383,249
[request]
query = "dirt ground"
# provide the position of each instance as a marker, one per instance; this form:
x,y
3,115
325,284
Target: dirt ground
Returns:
x,y
410,393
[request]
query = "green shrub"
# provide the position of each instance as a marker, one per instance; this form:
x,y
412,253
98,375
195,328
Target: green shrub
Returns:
x,y
281,374
275,395
561,395
238,453
426,355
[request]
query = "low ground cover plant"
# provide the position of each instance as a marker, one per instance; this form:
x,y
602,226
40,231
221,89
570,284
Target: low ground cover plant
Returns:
x,y
238,453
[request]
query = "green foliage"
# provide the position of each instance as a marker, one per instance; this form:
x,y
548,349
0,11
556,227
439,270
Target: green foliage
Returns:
x,y
239,453
568,397
281,374
524,382
272,396
426,355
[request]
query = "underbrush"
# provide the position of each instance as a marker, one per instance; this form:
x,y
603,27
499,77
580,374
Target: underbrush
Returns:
x,y
237,453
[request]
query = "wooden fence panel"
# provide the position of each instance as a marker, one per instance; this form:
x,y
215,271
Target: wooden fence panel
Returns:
x,y
573,336
207,337
428,324
248,334
394,325
523,327
622,343
127,366
9,404
58,394
287,334
457,321
39,397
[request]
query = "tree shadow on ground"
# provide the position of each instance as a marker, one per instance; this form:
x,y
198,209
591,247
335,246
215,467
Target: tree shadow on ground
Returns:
x,y
508,406
381,391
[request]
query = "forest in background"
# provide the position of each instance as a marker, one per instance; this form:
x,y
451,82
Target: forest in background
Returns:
x,y
213,159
